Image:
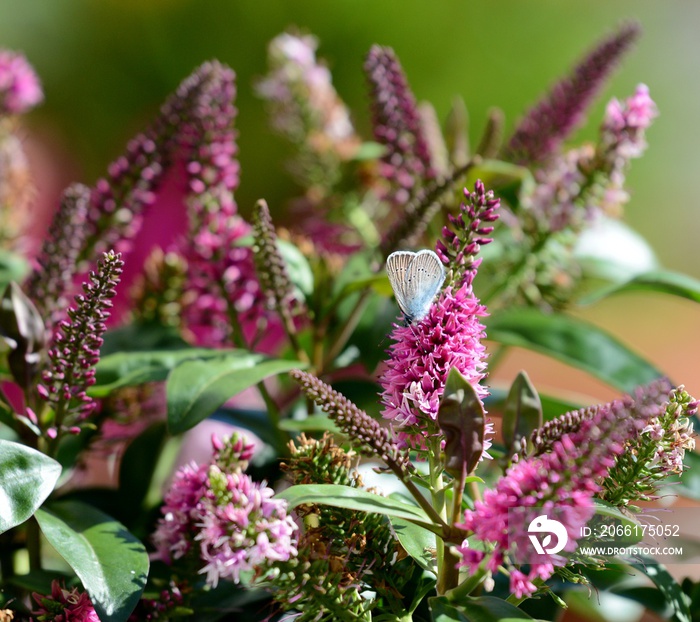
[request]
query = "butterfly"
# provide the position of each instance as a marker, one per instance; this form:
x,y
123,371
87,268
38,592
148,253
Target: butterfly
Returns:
x,y
415,278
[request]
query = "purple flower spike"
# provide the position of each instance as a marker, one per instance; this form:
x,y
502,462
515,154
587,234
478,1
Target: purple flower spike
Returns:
x,y
76,347
468,232
560,481
396,123
20,89
53,278
546,126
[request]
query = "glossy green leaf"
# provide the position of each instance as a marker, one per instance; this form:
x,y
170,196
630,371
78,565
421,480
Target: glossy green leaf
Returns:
x,y
27,477
126,369
657,281
483,609
419,543
574,342
522,412
353,499
111,563
552,406
668,586
195,389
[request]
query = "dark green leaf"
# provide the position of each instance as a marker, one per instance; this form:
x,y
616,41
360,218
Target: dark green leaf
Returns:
x,y
419,543
574,342
137,467
111,563
353,499
257,421
658,281
124,369
196,389
483,609
140,337
461,419
522,413
678,601
27,477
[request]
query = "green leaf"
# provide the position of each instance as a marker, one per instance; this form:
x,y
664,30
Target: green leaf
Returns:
x,y
461,419
419,543
298,269
657,281
27,477
354,499
483,609
137,467
574,342
13,267
126,369
195,389
522,413
111,563
142,337
312,423
672,591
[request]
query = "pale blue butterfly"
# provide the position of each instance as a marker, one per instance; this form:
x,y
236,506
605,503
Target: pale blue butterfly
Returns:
x,y
415,278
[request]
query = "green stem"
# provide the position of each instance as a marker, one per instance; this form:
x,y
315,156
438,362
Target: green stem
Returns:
x,y
345,334
34,544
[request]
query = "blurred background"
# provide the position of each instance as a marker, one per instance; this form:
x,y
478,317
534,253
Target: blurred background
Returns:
x,y
107,65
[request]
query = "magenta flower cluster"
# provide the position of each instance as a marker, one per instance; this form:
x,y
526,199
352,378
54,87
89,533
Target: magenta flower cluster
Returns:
x,y
421,358
20,88
561,482
229,523
64,605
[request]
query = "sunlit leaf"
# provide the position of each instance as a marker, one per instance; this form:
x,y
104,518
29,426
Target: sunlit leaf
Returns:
x,y
111,563
27,477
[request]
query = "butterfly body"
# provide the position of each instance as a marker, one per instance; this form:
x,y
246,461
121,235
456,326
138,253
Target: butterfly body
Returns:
x,y
415,278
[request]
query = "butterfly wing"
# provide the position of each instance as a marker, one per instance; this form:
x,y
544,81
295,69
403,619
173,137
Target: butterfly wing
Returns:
x,y
396,268
424,277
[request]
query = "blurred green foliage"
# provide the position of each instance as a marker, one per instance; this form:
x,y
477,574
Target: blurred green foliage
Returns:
x,y
107,65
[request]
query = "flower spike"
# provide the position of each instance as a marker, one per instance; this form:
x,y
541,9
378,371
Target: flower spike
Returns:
x,y
396,123
546,126
76,349
50,282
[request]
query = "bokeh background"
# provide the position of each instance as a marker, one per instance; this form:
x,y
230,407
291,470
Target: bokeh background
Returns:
x,y
107,65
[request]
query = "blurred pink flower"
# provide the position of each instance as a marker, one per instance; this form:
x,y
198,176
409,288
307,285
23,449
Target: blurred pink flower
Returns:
x,y
20,88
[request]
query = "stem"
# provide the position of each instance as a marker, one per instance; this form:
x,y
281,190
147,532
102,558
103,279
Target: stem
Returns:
x,y
34,544
346,332
272,409
416,494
